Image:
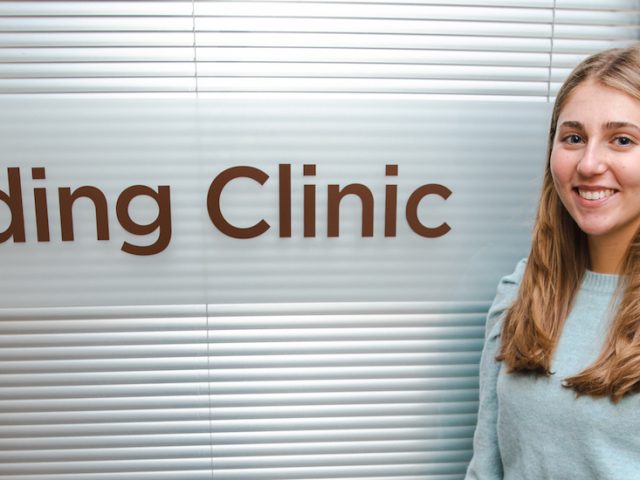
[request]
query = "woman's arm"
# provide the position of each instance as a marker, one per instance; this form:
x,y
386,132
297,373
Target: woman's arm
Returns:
x,y
486,463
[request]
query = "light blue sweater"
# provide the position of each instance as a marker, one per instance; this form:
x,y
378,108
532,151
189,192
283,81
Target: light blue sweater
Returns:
x,y
530,427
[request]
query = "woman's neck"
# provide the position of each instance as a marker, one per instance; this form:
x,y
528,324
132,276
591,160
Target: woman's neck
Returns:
x,y
606,255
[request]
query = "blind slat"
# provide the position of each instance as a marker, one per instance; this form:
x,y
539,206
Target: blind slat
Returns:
x,y
389,11
73,8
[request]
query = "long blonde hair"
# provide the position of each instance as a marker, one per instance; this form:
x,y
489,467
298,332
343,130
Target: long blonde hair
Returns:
x,y
559,258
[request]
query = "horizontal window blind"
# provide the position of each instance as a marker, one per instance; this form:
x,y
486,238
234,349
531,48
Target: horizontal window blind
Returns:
x,y
246,392
518,49
342,391
80,47
117,392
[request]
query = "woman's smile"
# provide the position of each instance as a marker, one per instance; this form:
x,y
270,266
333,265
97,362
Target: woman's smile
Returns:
x,y
595,193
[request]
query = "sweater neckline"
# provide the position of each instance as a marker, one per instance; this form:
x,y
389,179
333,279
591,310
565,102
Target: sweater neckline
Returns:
x,y
600,282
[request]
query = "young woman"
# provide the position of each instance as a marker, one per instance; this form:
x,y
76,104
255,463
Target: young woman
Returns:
x,y
560,371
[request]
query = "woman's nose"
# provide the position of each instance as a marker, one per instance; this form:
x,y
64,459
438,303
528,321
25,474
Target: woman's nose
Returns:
x,y
592,162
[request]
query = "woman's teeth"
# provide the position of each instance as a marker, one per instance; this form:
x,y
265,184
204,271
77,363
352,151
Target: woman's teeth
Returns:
x,y
590,195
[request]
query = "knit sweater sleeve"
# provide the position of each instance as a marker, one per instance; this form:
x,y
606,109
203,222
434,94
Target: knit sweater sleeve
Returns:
x,y
486,463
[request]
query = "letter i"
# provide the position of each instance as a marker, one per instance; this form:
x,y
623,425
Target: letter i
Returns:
x,y
309,202
390,203
42,212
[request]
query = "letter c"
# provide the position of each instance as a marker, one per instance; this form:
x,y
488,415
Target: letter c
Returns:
x,y
213,202
412,210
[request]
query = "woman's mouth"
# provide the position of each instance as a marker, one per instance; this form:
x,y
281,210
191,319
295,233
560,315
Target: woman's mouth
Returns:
x,y
595,194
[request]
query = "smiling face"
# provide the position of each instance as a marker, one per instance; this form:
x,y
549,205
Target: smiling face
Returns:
x,y
595,163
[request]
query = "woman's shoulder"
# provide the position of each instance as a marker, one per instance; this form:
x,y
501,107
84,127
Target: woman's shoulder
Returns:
x,y
516,276
506,293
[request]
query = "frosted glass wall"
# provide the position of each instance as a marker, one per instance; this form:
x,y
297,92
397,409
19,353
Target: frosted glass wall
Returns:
x,y
488,156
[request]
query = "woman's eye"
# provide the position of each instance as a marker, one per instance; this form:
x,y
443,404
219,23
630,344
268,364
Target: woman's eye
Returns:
x,y
573,139
623,141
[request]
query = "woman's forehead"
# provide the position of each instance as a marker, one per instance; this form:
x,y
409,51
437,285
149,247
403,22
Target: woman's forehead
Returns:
x,y
593,104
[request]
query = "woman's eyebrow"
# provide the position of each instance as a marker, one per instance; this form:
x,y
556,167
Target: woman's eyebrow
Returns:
x,y
572,124
607,126
616,125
